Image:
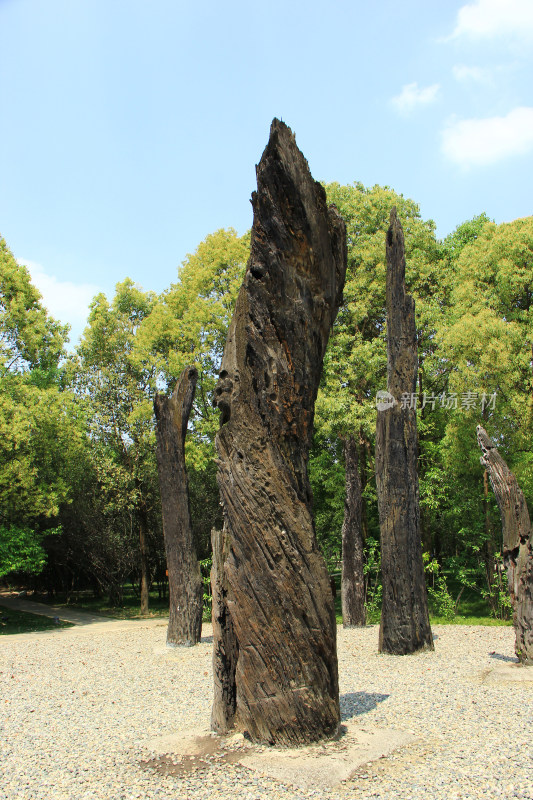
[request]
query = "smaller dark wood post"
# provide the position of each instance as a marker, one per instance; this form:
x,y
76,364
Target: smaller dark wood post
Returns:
x,y
517,544
353,580
225,646
405,624
184,577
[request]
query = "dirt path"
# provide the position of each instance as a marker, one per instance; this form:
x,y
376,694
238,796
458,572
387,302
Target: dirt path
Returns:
x,y
13,602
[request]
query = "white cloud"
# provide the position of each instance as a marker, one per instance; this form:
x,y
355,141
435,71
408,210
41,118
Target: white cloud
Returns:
x,y
478,142
66,301
412,95
484,19
461,72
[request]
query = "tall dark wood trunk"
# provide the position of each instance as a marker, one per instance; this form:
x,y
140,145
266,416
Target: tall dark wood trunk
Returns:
x,y
517,544
278,590
353,579
184,577
405,624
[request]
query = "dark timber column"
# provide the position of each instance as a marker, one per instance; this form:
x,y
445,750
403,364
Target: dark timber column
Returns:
x,y
405,624
517,544
184,577
278,591
353,579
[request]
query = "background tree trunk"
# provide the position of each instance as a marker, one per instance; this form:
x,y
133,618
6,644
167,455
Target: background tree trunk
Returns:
x,y
405,624
517,544
364,457
145,567
278,590
353,579
184,577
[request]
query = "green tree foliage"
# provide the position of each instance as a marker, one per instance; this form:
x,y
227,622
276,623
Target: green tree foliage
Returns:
x,y
473,319
21,550
29,338
115,392
134,345
77,449
187,327
488,336
356,360
485,357
188,324
39,436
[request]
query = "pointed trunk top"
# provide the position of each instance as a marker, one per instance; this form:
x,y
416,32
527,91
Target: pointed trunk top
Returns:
x,y
402,362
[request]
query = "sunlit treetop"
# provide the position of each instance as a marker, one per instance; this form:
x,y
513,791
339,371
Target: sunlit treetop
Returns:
x,y
29,337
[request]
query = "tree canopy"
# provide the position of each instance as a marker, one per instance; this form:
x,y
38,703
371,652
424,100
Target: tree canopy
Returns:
x,y
38,423
77,447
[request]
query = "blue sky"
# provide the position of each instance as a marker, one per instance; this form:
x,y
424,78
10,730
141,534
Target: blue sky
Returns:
x,y
130,129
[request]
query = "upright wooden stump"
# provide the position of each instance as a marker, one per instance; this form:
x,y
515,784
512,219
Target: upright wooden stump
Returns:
x,y
517,544
405,624
184,577
278,593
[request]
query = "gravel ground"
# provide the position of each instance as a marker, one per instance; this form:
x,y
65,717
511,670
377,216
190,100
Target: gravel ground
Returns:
x,y
79,707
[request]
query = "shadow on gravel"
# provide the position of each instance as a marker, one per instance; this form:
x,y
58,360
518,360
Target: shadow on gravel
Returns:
x,y
353,704
511,659
207,640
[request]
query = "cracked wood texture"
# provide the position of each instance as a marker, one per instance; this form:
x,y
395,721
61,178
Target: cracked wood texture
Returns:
x,y
517,544
184,577
278,590
404,624
353,579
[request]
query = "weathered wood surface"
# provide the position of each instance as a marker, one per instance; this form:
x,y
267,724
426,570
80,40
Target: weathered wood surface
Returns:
x,y
405,624
517,543
184,577
278,591
353,579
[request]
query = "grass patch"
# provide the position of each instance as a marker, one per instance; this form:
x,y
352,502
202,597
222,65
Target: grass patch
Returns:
x,y
374,619
24,622
473,610
459,619
130,607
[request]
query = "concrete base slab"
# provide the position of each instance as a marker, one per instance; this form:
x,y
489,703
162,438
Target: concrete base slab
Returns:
x,y
322,765
325,765
505,674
